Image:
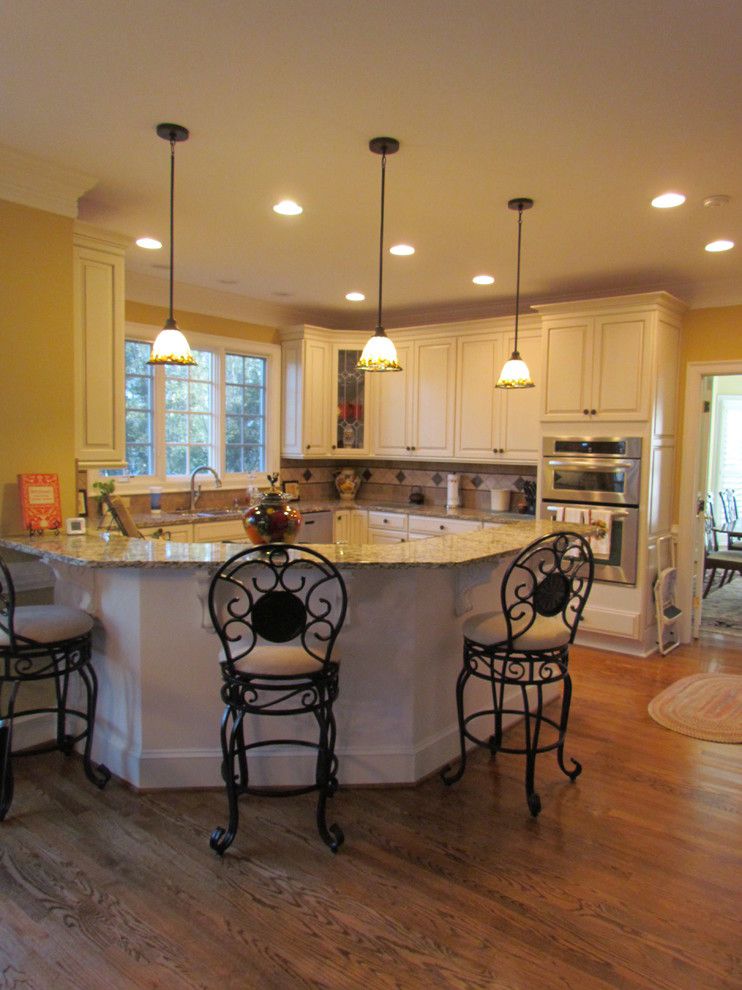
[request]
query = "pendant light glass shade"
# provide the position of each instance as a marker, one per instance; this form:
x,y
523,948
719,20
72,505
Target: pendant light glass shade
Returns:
x,y
170,346
515,373
380,354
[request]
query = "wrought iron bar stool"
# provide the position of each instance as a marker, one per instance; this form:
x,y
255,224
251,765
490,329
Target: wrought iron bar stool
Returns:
x,y
526,648
278,610
42,643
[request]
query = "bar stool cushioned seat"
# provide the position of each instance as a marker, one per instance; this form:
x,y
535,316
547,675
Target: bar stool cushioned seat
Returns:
x,y
278,610
40,643
525,648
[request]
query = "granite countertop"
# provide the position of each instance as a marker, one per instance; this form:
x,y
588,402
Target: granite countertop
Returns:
x,y
100,549
185,517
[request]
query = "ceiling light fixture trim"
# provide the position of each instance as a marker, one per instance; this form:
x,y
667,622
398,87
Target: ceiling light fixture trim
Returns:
x,y
171,346
515,373
380,354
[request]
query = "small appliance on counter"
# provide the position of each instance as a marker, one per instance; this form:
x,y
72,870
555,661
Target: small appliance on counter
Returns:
x,y
452,491
416,496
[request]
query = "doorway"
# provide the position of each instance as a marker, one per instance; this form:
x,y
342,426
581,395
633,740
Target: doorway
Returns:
x,y
713,416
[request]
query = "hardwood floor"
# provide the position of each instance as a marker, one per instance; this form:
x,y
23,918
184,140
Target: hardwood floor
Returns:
x,y
630,878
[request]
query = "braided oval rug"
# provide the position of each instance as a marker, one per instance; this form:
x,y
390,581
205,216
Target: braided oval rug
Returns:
x,y
704,706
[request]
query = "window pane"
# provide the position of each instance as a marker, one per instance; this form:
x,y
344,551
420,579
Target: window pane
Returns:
x,y
136,355
199,429
254,431
255,371
176,394
200,397
233,398
234,460
234,369
254,459
138,460
199,457
233,432
176,428
138,404
253,400
177,462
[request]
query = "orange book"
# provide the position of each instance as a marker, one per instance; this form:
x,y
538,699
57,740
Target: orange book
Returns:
x,y
40,502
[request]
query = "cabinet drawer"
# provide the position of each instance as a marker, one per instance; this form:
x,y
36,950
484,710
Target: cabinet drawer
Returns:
x,y
388,520
215,532
440,527
174,534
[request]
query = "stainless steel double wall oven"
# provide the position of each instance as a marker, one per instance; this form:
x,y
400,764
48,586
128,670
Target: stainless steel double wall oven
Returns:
x,y
598,476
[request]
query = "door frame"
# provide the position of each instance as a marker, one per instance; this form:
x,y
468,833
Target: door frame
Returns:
x,y
696,371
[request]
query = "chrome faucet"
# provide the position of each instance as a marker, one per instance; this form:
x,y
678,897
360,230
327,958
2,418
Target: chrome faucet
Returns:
x,y
196,492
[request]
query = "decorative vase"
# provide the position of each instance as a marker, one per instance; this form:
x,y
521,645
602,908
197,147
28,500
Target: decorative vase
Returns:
x,y
272,519
347,483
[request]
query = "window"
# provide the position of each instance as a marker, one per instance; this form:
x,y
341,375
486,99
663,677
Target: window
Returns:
x,y
222,412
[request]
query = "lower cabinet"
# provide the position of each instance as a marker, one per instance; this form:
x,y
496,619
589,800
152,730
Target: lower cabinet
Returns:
x,y
423,527
351,526
387,527
213,532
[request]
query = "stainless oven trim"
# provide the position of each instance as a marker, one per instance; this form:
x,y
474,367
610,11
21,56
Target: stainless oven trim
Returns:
x,y
633,446
625,572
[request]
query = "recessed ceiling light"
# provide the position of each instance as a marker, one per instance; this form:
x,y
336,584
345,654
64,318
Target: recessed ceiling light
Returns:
x,y
402,249
150,243
719,199
354,296
667,200
722,245
288,208
483,279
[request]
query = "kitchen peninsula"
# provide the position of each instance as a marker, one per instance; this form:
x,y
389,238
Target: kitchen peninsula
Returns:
x,y
156,653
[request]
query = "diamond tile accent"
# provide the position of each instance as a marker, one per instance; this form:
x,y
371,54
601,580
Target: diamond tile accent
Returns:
x,y
366,475
307,475
477,481
436,479
400,476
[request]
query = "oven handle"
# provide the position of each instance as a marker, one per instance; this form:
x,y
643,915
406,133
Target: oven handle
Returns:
x,y
603,465
618,513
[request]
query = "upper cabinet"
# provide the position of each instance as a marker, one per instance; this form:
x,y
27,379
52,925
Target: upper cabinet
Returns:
x,y
415,407
306,363
349,413
491,423
100,432
600,357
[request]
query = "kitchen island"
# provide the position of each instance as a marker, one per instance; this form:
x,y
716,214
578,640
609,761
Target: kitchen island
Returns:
x,y
156,654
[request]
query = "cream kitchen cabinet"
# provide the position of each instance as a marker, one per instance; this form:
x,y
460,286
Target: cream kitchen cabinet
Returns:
x,y
599,357
414,408
306,363
350,526
348,411
100,431
214,532
492,423
387,527
423,527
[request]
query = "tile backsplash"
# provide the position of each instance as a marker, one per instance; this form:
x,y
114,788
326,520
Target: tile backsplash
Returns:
x,y
388,481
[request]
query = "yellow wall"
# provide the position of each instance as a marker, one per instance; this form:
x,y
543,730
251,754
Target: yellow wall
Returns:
x,y
36,355
198,323
708,335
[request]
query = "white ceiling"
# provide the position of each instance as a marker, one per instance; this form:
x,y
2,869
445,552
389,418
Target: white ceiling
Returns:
x,y
590,107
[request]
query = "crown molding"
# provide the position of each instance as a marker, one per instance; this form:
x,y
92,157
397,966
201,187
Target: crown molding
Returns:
x,y
32,181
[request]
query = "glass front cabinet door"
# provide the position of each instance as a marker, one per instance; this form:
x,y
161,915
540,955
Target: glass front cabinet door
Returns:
x,y
350,432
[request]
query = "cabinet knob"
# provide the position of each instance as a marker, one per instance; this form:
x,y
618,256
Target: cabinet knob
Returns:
x,y
441,527
413,448
593,412
585,412
333,446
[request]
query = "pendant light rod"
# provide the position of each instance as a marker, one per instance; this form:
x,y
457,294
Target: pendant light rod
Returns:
x,y
170,346
520,203
172,133
380,354
382,146
515,373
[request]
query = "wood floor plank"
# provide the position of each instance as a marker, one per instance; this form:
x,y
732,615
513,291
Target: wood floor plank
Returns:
x,y
628,880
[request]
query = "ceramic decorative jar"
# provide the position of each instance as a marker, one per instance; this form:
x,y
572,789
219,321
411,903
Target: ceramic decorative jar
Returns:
x,y
347,482
272,519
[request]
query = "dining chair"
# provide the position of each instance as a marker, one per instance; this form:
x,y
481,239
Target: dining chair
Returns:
x,y
728,562
524,649
728,499
41,643
278,610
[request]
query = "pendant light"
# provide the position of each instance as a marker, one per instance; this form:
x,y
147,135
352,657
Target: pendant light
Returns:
x,y
515,373
380,354
170,346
